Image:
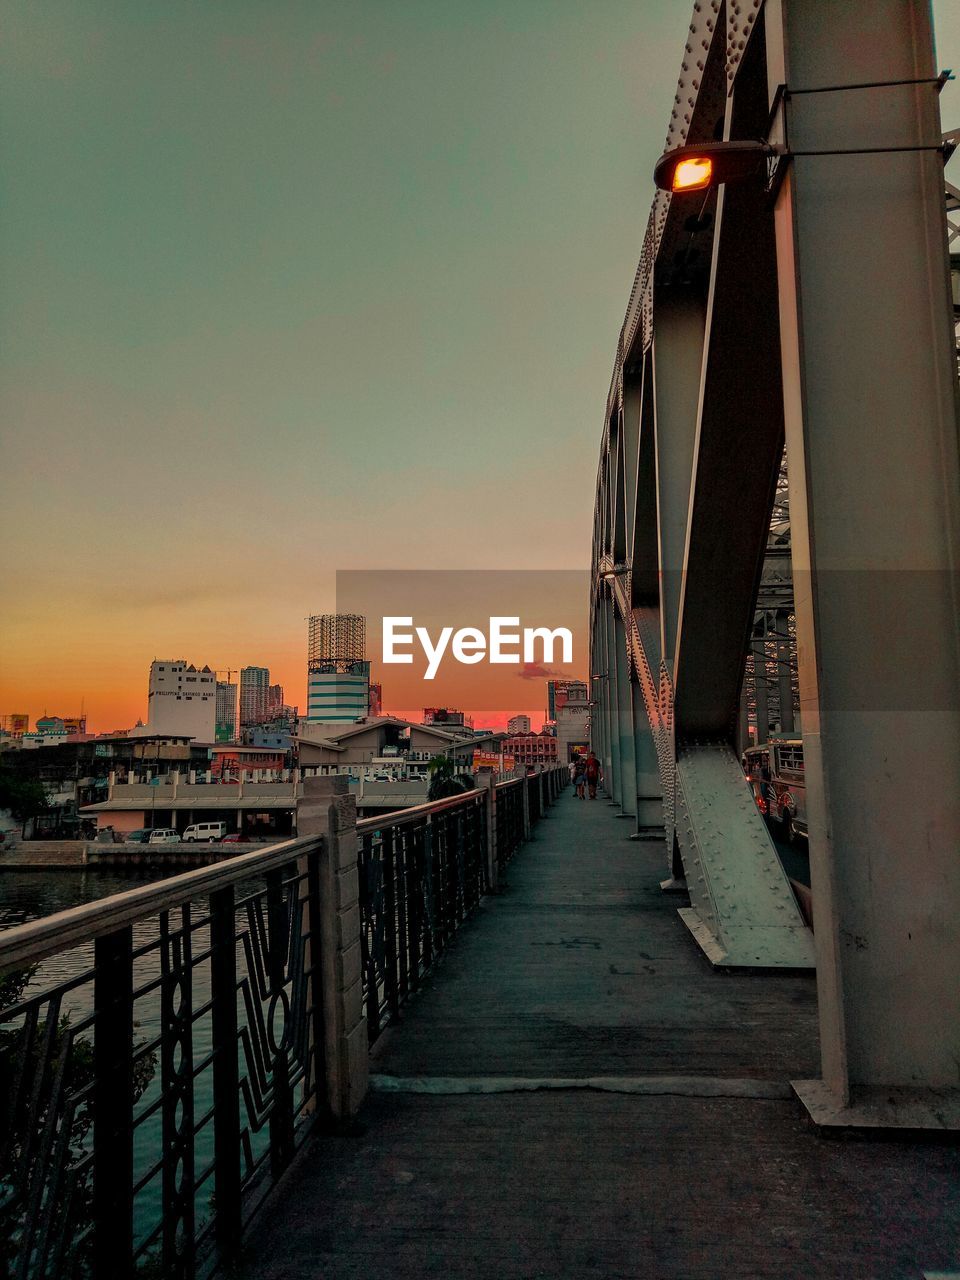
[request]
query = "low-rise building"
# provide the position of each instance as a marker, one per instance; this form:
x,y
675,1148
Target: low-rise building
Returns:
x,y
250,806
76,772
228,760
335,748
447,717
531,749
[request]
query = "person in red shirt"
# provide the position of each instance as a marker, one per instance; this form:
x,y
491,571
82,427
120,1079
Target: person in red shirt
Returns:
x,y
594,774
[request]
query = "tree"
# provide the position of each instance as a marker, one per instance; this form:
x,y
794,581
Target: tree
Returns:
x,y
444,780
25,798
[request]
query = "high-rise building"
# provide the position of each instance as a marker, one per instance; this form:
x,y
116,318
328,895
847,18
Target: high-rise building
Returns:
x,y
518,724
338,673
254,683
182,700
274,700
226,727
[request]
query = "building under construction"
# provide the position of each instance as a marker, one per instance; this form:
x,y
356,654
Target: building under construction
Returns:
x,y
336,637
338,673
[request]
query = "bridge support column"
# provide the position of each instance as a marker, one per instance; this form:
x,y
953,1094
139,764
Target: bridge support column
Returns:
x,y
871,427
677,366
327,810
613,781
623,692
649,790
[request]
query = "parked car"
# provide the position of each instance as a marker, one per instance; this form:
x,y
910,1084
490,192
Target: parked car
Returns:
x,y
206,832
237,837
163,835
140,836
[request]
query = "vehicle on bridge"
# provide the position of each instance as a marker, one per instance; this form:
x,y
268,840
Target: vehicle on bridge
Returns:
x,y
775,773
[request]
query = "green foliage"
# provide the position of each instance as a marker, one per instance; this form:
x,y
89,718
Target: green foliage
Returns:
x,y
13,985
24,797
443,779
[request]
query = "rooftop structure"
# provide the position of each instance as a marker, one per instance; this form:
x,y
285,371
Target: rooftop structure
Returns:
x,y
336,637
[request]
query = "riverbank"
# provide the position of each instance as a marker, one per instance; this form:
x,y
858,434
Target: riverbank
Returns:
x,y
69,855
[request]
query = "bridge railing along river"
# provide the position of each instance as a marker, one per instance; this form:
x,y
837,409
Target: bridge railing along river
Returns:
x,y
154,1096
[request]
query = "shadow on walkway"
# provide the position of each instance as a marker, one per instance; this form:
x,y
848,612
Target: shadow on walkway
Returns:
x,y
483,1154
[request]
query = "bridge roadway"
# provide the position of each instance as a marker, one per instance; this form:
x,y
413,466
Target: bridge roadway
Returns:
x,y
688,1158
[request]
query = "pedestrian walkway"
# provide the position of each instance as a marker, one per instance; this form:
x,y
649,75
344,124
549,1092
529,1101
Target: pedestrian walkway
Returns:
x,y
577,1094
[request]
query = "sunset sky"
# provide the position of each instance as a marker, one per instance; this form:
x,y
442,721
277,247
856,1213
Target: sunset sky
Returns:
x,y
303,287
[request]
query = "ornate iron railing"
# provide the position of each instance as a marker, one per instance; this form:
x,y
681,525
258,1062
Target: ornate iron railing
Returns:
x,y
534,787
510,818
422,872
154,1094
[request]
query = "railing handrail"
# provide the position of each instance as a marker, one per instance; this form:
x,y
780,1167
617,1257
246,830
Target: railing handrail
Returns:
x,y
398,817
513,782
25,944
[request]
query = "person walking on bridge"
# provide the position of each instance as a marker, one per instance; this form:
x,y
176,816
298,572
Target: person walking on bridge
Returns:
x,y
579,776
594,774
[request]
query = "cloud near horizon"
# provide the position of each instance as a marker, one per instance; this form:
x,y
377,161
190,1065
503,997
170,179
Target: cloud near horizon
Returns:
x,y
534,671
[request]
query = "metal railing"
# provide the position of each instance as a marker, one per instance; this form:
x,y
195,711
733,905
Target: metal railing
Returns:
x,y
161,1050
534,796
159,1074
510,818
422,872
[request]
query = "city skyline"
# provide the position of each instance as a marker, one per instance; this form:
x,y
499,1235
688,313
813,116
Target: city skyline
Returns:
x,y
201,421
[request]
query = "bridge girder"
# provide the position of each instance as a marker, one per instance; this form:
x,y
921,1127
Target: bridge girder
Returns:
x,y
749,324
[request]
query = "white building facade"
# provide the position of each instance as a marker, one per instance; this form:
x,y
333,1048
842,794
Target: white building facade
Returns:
x,y
182,700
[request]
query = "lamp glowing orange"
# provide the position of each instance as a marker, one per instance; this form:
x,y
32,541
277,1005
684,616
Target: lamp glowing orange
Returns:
x,y
693,174
703,165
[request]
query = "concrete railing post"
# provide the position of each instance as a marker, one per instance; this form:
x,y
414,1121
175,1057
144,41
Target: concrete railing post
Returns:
x,y
527,824
327,810
489,781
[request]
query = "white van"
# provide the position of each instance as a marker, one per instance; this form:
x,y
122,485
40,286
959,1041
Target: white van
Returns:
x,y
163,835
204,831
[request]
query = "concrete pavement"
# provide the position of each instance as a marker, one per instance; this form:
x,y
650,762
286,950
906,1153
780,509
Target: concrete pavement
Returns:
x,y
685,1157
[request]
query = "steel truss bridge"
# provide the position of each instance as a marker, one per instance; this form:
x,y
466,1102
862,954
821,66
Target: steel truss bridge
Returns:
x,y
809,324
